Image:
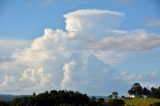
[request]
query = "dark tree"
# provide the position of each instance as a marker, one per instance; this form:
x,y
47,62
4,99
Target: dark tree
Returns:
x,y
155,92
145,91
136,89
115,94
110,96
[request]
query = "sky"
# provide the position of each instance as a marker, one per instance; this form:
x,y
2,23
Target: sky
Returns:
x,y
95,47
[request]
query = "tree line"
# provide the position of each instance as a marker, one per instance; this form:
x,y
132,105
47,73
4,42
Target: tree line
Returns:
x,y
140,91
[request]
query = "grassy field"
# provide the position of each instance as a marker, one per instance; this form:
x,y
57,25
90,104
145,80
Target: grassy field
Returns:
x,y
140,101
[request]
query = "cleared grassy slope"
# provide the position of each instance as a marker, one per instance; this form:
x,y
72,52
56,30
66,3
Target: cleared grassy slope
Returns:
x,y
140,101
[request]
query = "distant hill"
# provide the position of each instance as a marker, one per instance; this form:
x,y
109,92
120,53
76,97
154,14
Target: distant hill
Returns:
x,y
97,97
8,98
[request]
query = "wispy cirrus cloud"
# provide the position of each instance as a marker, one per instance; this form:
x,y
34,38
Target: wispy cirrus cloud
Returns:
x,y
41,3
146,80
152,22
155,75
123,3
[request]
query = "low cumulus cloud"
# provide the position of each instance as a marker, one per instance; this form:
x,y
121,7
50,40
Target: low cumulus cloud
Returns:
x,y
66,60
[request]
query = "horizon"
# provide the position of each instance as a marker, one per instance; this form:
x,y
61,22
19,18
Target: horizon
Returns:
x,y
94,47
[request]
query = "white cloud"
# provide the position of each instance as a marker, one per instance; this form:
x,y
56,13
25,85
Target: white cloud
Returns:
x,y
90,21
52,51
68,68
60,59
155,74
40,63
37,77
109,57
7,82
133,77
92,76
150,85
129,41
146,80
130,77
8,46
118,44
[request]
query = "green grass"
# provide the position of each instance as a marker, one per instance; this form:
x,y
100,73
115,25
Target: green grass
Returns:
x,y
139,101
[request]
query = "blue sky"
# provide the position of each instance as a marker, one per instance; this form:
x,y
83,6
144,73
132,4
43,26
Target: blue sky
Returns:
x,y
116,43
30,17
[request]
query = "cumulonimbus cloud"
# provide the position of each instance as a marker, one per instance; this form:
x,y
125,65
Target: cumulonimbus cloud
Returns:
x,y
59,60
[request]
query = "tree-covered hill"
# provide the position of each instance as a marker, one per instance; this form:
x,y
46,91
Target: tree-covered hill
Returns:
x,y
52,98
